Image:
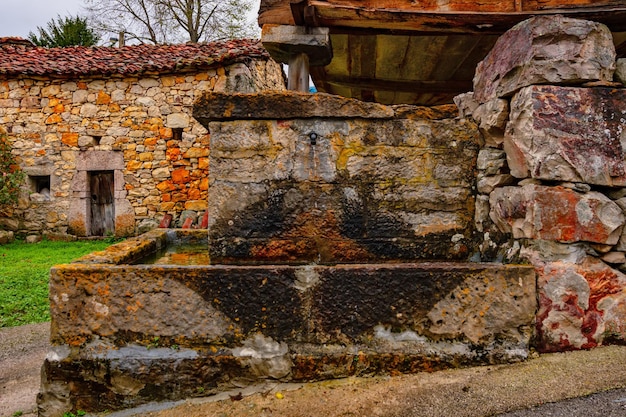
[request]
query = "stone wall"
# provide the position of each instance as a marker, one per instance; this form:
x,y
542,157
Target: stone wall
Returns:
x,y
138,127
320,178
552,174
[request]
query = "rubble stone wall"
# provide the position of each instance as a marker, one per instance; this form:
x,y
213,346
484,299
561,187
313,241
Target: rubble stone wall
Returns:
x,y
551,173
138,127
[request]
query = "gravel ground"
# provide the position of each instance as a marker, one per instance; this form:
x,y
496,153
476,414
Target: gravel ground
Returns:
x,y
22,351
605,404
594,380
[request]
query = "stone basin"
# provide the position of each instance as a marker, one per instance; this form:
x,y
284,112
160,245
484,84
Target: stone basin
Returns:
x,y
126,333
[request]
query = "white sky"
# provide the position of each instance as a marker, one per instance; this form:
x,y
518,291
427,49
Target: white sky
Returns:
x,y
19,17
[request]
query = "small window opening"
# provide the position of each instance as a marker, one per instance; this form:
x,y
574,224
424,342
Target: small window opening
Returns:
x,y
177,133
97,139
40,184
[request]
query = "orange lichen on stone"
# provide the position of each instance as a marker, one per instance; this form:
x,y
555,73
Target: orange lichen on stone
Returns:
x,y
70,139
166,186
103,98
197,205
196,153
194,194
133,165
53,119
180,176
172,154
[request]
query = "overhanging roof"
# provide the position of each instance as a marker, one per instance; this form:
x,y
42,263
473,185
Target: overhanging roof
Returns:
x,y
420,52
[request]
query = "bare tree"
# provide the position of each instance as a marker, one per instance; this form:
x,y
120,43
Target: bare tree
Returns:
x,y
173,21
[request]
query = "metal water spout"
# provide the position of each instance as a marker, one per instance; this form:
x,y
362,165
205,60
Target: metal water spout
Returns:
x,y
313,158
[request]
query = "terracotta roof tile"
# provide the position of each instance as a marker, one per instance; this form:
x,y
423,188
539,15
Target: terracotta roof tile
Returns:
x,y
18,57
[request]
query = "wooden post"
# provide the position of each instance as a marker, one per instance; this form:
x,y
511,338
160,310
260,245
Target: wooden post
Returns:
x,y
299,47
298,76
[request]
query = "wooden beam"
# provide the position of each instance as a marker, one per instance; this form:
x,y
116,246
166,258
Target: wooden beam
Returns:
x,y
483,6
459,16
276,12
282,12
462,22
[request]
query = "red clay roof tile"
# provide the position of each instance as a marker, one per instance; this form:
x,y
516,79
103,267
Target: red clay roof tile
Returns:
x,y
17,57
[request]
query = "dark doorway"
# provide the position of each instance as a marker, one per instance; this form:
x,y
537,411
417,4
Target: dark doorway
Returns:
x,y
102,188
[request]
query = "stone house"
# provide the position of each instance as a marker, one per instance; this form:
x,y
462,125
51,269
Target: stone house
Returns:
x,y
105,135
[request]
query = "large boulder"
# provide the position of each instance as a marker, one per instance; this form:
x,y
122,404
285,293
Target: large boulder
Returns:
x,y
546,50
556,213
582,301
567,134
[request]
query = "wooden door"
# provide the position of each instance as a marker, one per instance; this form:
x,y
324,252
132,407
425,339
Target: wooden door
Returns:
x,y
102,187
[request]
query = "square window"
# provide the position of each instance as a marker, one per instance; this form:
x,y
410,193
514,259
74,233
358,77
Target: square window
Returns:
x,y
40,184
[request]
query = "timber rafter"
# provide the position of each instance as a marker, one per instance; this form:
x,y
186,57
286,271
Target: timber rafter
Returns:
x,y
426,17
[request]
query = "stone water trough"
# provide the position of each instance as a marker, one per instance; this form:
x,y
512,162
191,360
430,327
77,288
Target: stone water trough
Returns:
x,y
337,235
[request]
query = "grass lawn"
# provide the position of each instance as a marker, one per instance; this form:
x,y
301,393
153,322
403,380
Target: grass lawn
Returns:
x,y
24,270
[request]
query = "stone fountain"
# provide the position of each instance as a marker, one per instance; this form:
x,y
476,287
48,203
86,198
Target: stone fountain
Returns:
x,y
338,236
346,238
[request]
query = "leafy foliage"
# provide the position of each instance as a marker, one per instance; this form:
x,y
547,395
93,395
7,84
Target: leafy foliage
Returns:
x,y
11,176
173,21
65,31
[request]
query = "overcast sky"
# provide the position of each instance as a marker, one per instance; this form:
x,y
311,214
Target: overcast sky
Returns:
x,y
19,17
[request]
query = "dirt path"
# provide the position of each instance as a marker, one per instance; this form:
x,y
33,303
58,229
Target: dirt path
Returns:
x,y
22,351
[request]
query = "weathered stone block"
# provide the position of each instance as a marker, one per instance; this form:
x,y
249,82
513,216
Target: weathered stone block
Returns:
x,y
545,50
466,104
491,161
177,121
568,134
492,117
556,213
284,189
582,303
284,105
485,184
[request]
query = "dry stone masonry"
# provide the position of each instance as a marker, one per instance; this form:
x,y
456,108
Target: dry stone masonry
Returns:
x,y
551,173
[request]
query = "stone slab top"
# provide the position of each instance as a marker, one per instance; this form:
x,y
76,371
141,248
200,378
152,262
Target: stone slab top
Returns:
x,y
213,106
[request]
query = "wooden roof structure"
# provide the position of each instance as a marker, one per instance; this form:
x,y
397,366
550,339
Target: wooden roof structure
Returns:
x,y
420,51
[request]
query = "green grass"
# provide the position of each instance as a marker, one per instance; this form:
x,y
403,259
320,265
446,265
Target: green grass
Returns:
x,y
24,272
